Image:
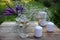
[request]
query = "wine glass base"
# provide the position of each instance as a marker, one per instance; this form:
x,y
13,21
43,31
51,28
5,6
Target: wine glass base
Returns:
x,y
23,35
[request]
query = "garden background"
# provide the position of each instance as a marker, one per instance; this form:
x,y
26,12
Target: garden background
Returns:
x,y
52,5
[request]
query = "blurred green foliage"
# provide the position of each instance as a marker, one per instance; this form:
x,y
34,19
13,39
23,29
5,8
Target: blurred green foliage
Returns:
x,y
52,5
29,5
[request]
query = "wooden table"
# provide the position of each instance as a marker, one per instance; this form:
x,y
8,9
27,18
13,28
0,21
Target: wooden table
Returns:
x,y
6,33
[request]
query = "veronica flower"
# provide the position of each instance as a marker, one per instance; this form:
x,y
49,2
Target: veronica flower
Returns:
x,y
7,13
10,10
20,8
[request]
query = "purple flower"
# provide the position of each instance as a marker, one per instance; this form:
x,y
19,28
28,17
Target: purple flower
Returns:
x,y
20,8
7,13
10,10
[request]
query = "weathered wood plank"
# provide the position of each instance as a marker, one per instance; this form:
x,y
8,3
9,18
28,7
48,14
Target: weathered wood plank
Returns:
x,y
6,33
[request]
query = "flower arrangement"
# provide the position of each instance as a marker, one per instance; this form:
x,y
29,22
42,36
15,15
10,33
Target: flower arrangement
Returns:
x,y
10,10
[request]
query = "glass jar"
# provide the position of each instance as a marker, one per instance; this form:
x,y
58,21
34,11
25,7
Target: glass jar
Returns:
x,y
22,22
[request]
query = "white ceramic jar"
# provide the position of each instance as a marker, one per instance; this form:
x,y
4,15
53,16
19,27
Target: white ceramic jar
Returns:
x,y
38,31
50,27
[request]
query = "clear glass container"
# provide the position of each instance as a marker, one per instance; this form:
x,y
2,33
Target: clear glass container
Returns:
x,y
22,24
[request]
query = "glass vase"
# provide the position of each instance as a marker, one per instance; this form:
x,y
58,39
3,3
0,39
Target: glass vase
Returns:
x,y
22,24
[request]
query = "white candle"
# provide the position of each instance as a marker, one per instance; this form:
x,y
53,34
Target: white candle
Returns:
x,y
38,31
50,27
